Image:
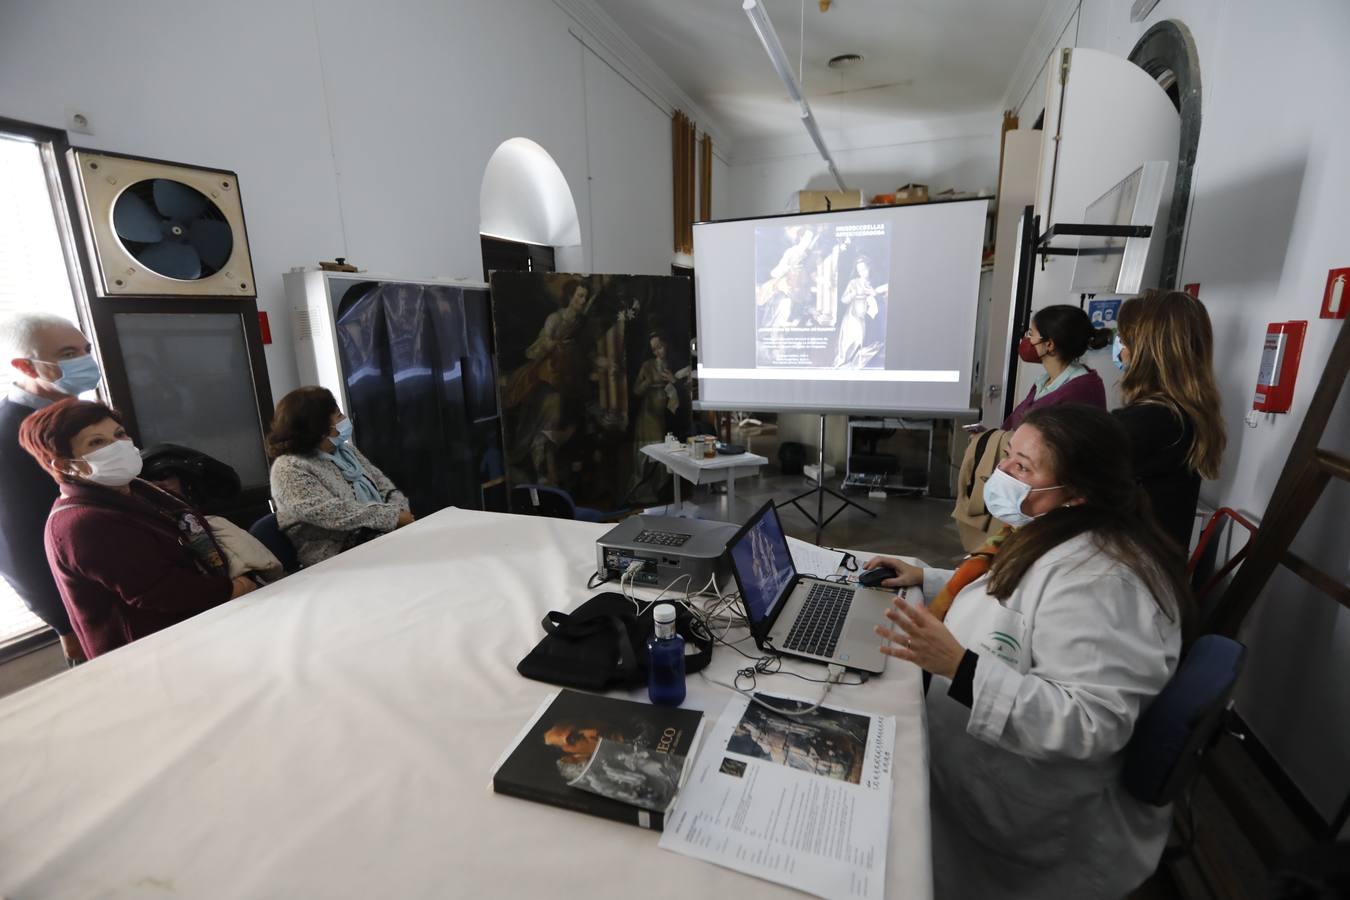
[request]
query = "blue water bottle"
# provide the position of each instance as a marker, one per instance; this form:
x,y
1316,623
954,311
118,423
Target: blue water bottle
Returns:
x,y
665,678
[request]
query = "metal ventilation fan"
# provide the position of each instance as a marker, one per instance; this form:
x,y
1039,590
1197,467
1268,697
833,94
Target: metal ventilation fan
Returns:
x,y
161,229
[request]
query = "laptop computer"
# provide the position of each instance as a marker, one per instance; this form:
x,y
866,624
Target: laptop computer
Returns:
x,y
799,615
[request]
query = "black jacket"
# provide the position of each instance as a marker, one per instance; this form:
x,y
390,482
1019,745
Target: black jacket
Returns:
x,y
1159,442
26,496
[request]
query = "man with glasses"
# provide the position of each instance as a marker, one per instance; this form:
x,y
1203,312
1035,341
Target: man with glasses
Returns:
x,y
51,359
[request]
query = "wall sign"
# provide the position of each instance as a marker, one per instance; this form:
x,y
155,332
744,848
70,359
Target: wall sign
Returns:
x,y
1103,313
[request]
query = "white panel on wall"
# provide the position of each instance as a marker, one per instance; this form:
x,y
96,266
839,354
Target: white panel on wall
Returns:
x,y
630,163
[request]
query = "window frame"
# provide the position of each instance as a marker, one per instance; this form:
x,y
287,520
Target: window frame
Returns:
x,y
53,144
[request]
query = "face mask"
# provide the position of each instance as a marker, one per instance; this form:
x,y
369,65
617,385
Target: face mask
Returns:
x,y
1115,352
77,375
344,433
113,465
1004,495
1026,351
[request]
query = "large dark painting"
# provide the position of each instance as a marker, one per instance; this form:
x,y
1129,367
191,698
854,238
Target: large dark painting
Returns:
x,y
592,368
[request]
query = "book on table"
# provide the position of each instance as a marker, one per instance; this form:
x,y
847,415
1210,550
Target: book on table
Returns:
x,y
604,756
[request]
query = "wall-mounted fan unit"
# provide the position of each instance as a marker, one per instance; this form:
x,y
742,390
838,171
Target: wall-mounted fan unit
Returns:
x,y
158,229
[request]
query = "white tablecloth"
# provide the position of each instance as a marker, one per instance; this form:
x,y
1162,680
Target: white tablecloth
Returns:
x,y
334,735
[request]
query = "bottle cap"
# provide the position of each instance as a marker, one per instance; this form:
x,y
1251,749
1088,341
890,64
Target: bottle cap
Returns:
x,y
665,614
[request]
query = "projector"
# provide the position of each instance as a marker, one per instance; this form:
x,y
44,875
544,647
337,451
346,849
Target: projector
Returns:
x,y
668,547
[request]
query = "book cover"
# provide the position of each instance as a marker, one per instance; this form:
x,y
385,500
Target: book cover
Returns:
x,y
557,747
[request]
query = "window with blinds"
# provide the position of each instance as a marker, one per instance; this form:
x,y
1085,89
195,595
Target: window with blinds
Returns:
x,y
33,276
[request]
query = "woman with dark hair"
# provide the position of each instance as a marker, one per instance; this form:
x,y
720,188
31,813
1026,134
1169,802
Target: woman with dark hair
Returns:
x,y
1172,411
128,558
1058,337
1045,649
329,497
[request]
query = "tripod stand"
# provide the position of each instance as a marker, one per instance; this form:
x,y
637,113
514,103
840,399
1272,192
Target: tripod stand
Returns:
x,y
820,520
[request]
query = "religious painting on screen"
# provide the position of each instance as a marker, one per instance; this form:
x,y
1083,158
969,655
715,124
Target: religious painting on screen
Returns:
x,y
593,367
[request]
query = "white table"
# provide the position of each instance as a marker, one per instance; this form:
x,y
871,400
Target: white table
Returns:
x,y
704,470
334,735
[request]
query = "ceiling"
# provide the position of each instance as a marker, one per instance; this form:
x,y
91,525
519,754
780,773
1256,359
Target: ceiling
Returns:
x,y
921,58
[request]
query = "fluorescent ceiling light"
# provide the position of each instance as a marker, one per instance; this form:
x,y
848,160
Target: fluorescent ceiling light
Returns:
x,y
754,9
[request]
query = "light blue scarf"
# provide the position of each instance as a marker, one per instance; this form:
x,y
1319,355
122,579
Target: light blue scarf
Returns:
x,y
352,470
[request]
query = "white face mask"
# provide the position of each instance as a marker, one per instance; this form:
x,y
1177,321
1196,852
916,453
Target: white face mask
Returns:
x,y
1004,496
113,465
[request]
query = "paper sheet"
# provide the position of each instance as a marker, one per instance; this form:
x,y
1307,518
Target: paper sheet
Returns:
x,y
802,801
812,560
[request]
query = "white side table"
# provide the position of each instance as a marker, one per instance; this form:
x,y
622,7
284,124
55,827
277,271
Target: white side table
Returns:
x,y
705,471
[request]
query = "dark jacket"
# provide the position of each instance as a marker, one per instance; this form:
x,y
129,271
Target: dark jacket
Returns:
x,y
122,566
26,495
1160,439
1086,388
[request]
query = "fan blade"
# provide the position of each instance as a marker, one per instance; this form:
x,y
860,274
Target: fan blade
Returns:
x,y
213,240
134,220
178,201
172,260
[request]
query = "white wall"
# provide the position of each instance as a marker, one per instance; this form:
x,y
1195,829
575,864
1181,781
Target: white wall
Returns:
x,y
357,129
959,152
1267,222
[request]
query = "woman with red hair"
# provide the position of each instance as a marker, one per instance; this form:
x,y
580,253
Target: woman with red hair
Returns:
x,y
128,558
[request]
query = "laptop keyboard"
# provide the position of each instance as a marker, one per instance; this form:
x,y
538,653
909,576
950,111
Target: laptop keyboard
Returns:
x,y
821,620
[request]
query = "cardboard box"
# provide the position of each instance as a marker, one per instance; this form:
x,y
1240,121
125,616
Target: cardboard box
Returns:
x,y
824,201
912,193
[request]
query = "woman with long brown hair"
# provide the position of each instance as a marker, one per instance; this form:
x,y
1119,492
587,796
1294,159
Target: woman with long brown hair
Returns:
x,y
1045,649
1170,403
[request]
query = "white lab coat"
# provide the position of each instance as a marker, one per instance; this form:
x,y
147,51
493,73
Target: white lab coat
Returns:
x,y
1027,800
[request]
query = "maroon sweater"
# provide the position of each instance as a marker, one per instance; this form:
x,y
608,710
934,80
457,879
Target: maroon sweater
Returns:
x,y
121,567
1086,388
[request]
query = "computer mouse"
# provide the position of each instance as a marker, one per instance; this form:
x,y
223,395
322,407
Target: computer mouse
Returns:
x,y
874,577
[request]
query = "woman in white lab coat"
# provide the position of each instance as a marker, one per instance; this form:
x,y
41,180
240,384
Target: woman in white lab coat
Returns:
x,y
1041,667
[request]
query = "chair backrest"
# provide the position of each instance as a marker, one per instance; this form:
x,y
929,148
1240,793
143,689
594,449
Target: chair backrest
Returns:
x,y
542,500
1174,732
270,535
1202,568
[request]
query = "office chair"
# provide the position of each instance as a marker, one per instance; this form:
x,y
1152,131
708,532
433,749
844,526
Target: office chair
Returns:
x,y
553,503
1174,733
270,535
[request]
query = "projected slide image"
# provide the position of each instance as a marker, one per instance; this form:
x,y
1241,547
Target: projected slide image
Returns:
x,y
821,295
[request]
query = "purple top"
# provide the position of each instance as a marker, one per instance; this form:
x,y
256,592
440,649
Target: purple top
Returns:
x,y
1086,388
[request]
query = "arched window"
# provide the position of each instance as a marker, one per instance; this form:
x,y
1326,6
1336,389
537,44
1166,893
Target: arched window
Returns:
x,y
525,204
1167,52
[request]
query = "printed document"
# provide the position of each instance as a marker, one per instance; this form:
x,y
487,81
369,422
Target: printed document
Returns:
x,y
812,560
803,800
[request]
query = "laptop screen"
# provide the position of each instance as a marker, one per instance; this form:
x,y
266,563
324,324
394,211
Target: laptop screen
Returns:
x,y
763,564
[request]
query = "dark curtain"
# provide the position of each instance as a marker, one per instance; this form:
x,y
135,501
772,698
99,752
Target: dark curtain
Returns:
x,y
420,384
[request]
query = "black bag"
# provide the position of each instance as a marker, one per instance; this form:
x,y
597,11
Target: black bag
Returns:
x,y
791,457
602,644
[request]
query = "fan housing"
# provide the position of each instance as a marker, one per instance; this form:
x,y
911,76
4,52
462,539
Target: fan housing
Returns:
x,y
161,229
